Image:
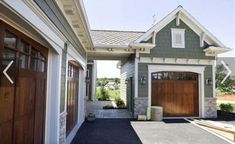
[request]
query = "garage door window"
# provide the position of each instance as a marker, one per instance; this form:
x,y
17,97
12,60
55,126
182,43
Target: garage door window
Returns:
x,y
174,76
24,54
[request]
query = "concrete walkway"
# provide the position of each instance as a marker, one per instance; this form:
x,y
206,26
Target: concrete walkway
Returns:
x,y
96,107
174,132
112,113
126,131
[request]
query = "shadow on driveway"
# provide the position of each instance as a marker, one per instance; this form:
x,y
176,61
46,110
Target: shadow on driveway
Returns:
x,y
127,131
107,131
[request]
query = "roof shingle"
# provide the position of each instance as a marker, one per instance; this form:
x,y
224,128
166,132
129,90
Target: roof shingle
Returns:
x,y
112,37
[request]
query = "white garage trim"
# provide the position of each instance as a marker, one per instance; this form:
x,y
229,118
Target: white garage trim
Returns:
x,y
81,92
195,69
53,97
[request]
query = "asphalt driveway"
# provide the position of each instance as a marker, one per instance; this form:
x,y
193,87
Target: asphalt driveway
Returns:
x,y
125,131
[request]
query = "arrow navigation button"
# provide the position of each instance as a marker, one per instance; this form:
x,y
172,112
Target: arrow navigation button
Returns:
x,y
229,71
5,72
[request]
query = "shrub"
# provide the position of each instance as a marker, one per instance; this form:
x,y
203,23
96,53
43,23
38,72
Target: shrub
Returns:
x,y
103,95
227,108
108,107
119,102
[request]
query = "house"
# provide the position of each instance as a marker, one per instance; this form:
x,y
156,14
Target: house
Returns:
x,y
111,85
229,61
48,61
171,65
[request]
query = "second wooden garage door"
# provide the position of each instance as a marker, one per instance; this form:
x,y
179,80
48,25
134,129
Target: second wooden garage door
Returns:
x,y
176,92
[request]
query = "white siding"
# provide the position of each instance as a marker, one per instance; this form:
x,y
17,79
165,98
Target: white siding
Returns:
x,y
127,71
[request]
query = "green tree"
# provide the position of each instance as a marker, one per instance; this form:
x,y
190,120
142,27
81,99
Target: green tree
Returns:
x,y
117,80
228,87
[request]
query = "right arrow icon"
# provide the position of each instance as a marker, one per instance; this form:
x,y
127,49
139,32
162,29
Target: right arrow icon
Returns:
x,y
228,69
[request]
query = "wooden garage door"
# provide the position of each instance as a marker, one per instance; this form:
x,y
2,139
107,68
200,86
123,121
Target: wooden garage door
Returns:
x,y
176,92
72,96
22,103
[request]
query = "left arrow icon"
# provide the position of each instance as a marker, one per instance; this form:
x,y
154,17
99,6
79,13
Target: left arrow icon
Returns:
x,y
5,72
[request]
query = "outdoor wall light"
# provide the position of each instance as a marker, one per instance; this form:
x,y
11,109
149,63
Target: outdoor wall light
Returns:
x,y
209,81
143,80
126,81
88,80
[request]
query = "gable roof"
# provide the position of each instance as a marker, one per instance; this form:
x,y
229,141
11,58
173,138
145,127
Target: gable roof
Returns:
x,y
186,18
114,37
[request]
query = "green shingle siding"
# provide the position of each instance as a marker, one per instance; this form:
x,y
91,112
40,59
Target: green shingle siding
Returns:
x,y
143,71
164,46
208,88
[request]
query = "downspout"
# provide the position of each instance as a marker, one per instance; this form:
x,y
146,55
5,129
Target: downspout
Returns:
x,y
136,73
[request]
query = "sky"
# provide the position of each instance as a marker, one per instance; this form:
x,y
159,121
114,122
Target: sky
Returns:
x,y
217,16
108,69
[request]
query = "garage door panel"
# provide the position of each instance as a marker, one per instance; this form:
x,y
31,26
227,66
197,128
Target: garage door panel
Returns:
x,y
177,96
22,103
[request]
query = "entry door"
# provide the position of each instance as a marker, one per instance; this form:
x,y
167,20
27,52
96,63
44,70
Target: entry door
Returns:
x,y
176,92
22,102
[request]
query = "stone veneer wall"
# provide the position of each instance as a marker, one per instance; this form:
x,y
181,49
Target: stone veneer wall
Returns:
x,y
140,105
62,132
210,109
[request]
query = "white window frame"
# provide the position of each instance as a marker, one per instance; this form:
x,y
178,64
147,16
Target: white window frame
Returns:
x,y
177,31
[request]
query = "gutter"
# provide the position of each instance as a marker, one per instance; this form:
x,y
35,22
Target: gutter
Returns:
x,y
142,45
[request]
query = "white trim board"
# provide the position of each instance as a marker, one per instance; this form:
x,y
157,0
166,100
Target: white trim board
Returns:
x,y
26,13
53,97
196,69
81,107
176,61
74,55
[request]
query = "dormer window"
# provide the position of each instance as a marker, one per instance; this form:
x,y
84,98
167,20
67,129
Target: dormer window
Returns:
x,y
178,38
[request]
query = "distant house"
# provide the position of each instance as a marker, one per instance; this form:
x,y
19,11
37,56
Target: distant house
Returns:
x,y
111,86
229,61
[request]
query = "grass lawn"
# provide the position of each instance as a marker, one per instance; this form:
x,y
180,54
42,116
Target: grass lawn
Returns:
x,y
112,93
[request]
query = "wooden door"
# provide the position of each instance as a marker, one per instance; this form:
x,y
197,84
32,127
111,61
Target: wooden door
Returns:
x,y
29,107
72,97
176,92
7,95
22,103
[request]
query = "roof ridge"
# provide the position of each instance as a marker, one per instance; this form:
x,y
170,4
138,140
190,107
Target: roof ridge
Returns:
x,y
130,31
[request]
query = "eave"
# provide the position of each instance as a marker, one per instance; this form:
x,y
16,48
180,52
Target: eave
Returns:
x,y
75,14
213,50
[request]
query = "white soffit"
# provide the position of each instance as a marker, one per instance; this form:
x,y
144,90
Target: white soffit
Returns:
x,y
76,16
213,50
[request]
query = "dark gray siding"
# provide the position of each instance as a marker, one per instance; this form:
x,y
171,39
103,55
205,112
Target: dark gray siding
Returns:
x,y
143,71
164,47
